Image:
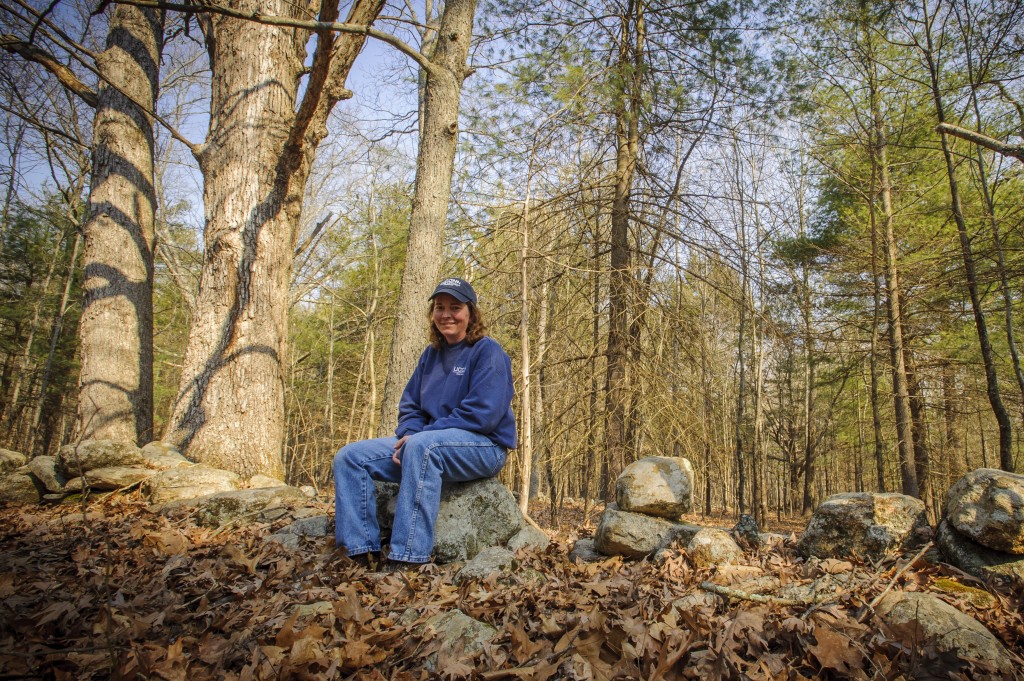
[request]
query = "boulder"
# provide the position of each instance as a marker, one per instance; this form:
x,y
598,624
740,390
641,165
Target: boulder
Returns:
x,y
920,619
583,551
45,469
975,559
19,488
313,526
492,560
868,524
660,486
110,478
253,505
621,533
88,455
473,516
9,460
189,483
710,547
163,456
530,537
987,506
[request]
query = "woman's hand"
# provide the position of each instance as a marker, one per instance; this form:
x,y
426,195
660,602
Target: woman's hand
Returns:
x,y
397,456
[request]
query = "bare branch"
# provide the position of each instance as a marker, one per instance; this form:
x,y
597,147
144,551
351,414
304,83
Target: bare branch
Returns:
x,y
1014,150
65,75
341,27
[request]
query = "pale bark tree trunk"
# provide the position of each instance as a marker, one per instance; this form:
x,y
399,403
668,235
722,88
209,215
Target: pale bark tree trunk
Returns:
x,y
435,163
230,407
526,436
116,381
987,354
876,298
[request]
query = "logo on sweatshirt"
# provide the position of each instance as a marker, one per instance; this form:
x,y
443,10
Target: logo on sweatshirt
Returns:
x,y
459,371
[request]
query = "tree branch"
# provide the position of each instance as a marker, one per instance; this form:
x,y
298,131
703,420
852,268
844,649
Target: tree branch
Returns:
x,y
65,75
341,27
1014,150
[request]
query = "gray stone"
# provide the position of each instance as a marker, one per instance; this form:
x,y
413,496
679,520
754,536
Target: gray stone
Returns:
x,y
163,456
987,506
19,488
460,636
747,532
10,460
978,560
315,526
91,454
922,618
260,481
189,483
530,537
866,524
46,471
473,515
290,541
110,478
711,547
621,533
583,551
492,560
657,485
252,505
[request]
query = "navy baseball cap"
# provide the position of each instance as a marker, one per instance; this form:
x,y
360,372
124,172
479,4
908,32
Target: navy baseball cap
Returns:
x,y
457,288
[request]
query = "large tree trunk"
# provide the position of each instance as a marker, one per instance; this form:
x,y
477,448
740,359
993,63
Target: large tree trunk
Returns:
x,y
230,407
116,380
434,165
627,144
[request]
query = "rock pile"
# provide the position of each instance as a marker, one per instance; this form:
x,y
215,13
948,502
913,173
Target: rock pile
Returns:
x,y
473,516
982,531
650,497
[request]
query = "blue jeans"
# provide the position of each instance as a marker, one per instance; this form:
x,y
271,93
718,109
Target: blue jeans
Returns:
x,y
428,459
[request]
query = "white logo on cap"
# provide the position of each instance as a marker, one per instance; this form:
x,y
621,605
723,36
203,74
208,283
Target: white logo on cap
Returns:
x,y
451,282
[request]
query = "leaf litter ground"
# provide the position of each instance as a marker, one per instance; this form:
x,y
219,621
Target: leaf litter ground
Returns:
x,y
112,590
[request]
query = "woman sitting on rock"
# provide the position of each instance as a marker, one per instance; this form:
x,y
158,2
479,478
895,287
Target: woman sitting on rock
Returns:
x,y
455,424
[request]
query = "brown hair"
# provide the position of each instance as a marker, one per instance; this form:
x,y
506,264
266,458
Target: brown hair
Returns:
x,y
476,329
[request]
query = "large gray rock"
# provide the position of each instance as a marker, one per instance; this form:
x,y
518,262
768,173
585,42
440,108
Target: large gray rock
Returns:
x,y
583,551
189,483
710,547
921,619
473,516
978,560
110,478
91,454
621,533
10,460
987,505
866,524
19,488
45,469
657,485
250,505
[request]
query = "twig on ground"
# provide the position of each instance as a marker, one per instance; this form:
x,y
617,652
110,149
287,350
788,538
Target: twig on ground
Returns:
x,y
899,573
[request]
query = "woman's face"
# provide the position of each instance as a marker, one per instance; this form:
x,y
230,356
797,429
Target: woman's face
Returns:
x,y
451,317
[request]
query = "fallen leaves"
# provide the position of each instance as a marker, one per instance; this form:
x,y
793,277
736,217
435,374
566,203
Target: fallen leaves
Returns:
x,y
126,594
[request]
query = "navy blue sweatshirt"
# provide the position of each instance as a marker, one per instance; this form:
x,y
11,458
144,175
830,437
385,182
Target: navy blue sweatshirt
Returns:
x,y
461,386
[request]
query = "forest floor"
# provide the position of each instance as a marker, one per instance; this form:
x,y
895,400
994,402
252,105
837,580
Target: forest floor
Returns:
x,y
112,590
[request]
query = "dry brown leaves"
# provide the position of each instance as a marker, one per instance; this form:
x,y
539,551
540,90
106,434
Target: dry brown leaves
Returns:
x,y
114,591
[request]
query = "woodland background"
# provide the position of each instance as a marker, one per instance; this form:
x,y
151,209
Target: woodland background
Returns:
x,y
728,231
